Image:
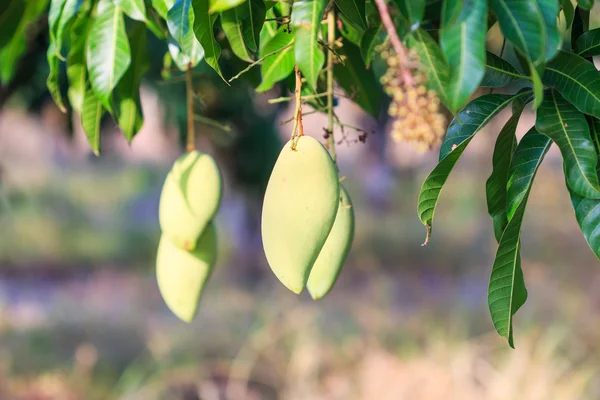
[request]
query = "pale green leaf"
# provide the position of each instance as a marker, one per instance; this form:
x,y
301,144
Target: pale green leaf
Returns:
x,y
306,25
91,117
281,64
203,28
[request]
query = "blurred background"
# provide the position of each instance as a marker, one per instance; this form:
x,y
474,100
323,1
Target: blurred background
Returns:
x,y
80,312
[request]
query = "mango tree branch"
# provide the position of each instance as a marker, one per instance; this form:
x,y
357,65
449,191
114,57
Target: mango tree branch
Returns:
x,y
395,41
191,135
298,129
331,42
260,60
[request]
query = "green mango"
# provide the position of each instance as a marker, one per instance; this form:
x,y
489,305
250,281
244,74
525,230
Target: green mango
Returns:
x,y
299,209
326,269
181,274
190,198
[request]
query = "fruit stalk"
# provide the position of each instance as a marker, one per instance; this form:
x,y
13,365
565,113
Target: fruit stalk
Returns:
x,y
191,135
298,128
331,43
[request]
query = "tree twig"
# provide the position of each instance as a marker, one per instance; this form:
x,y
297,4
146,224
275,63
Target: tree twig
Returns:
x,y
260,60
330,40
290,98
212,122
298,129
191,135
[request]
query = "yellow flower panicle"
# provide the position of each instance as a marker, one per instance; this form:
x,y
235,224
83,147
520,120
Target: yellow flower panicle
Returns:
x,y
415,109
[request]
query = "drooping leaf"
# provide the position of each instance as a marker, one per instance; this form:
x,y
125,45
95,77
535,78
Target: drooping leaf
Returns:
x,y
568,128
499,72
278,66
11,13
242,26
432,61
412,10
369,41
538,86
52,81
585,4
162,7
128,109
588,43
306,25
497,183
354,11
108,52
217,6
67,13
577,80
463,45
134,9
568,11
507,293
522,23
269,28
357,81
350,32
253,19
549,10
182,61
76,67
581,24
462,129
91,117
180,20
232,26
203,28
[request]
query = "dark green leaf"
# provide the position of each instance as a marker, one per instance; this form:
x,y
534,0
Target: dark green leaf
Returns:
x,y
581,24
306,25
108,52
357,81
52,81
351,32
242,26
499,72
232,26
507,293
11,13
467,123
217,6
588,43
463,44
538,86
128,110
278,66
568,11
412,10
180,20
162,7
432,61
585,4
568,128
76,68
203,28
372,37
354,11
577,80
91,117
549,10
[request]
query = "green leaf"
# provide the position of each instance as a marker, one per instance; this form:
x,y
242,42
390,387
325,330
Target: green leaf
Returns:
x,y
588,44
538,86
357,81
354,11
585,4
182,60
306,24
108,52
232,26
463,45
568,11
412,10
507,293
242,26
217,6
501,161
372,37
11,13
180,19
462,129
269,29
76,67
549,10
432,61
91,117
581,24
52,81
522,23
499,72
577,80
128,110
253,19
134,9
568,128
278,66
162,7
203,28
351,32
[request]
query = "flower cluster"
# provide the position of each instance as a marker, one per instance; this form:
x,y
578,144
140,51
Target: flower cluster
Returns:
x,y
416,110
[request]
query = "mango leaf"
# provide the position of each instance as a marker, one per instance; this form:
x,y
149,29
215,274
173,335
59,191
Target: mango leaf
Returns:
x,y
585,4
269,28
11,13
203,28
162,7
581,24
588,44
128,110
253,19
232,26
354,11
538,86
306,24
217,6
242,26
91,117
357,81
568,128
278,66
577,80
432,61
463,44
67,12
462,129
372,37
350,32
549,10
134,9
108,52
499,72
186,51
412,10
507,293
52,81
568,11
501,161
522,23
182,60
594,125
76,68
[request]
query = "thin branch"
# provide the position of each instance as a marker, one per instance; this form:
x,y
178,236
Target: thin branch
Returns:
x,y
290,98
189,92
211,122
331,41
287,121
397,45
298,129
260,60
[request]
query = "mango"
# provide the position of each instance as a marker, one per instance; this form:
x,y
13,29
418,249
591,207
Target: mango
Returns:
x,y
299,209
190,198
328,265
181,274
